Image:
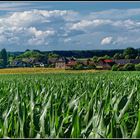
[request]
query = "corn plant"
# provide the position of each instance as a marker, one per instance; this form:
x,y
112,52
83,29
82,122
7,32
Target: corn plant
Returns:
x,y
70,105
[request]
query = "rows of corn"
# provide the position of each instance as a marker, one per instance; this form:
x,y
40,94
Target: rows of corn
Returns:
x,y
94,105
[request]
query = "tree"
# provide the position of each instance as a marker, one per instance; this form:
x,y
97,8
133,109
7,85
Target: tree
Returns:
x,y
4,57
121,56
103,57
121,69
91,67
130,52
137,57
27,50
115,67
95,58
116,56
129,67
106,57
127,56
53,55
137,67
78,66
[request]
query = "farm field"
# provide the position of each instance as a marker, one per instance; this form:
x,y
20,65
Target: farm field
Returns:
x,y
42,70
70,105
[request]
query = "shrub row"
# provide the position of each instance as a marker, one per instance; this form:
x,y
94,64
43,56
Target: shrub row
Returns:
x,y
126,67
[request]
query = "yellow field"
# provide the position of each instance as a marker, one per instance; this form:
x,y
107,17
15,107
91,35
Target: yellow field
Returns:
x,y
41,70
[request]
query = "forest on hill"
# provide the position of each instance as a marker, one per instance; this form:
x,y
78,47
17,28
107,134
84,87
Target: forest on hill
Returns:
x,y
78,53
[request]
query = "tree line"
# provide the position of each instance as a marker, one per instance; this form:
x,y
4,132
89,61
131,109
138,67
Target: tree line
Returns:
x,y
128,53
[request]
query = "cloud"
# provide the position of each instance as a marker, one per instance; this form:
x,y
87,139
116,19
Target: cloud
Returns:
x,y
87,23
13,6
106,40
68,29
35,27
36,41
120,40
39,37
115,14
67,40
27,18
39,33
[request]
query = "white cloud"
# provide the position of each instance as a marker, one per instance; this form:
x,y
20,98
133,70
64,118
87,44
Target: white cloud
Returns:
x,y
87,23
115,14
106,40
67,40
39,33
27,18
26,27
36,41
116,24
12,6
127,24
59,28
120,40
2,39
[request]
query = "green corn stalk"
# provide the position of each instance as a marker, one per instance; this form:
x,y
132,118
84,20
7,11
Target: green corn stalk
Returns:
x,y
136,133
32,127
75,124
43,116
6,121
122,112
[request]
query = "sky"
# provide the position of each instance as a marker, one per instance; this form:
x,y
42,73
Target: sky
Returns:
x,y
69,25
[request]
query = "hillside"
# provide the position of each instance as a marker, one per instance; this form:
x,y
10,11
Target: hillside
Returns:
x,y
77,54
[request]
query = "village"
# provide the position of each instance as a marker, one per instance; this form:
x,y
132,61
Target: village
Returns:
x,y
73,63
128,60
102,64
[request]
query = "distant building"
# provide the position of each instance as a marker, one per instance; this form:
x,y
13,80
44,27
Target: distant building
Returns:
x,y
105,64
108,63
39,64
125,61
71,63
52,60
18,63
61,62
30,60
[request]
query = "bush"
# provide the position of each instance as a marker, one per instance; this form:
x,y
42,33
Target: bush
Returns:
x,y
51,65
91,66
78,67
129,67
121,69
114,67
137,67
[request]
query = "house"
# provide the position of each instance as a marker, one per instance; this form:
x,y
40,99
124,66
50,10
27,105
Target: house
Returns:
x,y
18,63
105,64
65,63
121,61
52,60
84,62
39,64
125,61
29,60
108,63
71,63
61,62
88,63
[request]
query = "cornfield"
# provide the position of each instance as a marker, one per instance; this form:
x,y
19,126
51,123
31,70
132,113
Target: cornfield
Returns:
x,y
92,105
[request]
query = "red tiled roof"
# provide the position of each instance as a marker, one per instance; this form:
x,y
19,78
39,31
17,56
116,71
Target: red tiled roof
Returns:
x,y
107,60
71,63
